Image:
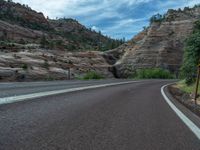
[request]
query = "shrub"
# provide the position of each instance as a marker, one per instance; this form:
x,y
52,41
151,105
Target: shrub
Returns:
x,y
43,42
153,73
24,66
22,41
49,78
92,75
185,88
46,64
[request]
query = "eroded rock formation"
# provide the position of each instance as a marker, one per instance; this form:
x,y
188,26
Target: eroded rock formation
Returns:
x,y
160,45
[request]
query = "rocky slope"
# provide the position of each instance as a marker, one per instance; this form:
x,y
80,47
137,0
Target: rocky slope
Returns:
x,y
33,47
29,62
160,45
65,34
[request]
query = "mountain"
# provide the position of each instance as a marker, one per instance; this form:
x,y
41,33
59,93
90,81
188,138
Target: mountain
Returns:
x,y
33,47
20,24
159,45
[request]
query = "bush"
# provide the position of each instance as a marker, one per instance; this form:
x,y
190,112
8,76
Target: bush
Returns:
x,y
24,66
92,75
46,64
153,73
185,88
43,42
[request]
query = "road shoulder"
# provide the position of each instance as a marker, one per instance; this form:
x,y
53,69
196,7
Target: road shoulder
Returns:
x,y
191,120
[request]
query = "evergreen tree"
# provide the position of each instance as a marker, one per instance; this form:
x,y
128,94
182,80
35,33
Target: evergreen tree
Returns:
x,y
157,18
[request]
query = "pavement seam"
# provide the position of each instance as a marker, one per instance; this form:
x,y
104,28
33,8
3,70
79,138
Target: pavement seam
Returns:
x,y
195,129
12,99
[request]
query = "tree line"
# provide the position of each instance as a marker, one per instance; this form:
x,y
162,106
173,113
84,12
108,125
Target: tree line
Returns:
x,y
191,57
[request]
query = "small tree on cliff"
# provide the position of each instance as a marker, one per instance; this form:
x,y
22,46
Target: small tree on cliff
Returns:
x,y
191,54
157,18
43,42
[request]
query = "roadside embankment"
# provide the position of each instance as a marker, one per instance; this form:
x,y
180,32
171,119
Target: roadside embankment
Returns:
x,y
185,95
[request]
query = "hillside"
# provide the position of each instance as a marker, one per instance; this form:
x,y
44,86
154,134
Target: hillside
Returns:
x,y
159,45
33,47
33,27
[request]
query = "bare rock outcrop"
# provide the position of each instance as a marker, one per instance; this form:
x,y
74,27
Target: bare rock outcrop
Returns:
x,y
160,45
18,33
39,64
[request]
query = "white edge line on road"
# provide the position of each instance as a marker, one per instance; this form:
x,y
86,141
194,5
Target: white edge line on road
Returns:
x,y
183,117
7,100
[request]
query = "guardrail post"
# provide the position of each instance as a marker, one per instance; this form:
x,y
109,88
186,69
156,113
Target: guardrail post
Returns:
x,y
197,85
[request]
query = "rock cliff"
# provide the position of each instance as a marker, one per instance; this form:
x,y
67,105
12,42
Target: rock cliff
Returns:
x,y
29,62
159,45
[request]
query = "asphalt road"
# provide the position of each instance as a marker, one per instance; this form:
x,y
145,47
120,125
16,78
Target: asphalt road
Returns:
x,y
19,88
124,117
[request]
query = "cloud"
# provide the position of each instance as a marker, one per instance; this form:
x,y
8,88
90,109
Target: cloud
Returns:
x,y
191,3
50,8
115,18
95,28
71,8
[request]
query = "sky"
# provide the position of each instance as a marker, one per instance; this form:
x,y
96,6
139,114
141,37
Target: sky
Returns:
x,y
115,18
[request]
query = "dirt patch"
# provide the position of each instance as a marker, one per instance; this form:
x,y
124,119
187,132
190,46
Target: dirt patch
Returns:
x,y
184,98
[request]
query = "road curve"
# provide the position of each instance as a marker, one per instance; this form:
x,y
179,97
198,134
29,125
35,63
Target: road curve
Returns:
x,y
124,117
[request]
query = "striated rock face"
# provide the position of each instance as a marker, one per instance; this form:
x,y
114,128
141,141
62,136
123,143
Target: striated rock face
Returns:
x,y
160,45
28,63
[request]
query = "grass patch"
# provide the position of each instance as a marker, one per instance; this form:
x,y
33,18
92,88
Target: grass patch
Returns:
x,y
92,75
49,78
186,88
153,73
